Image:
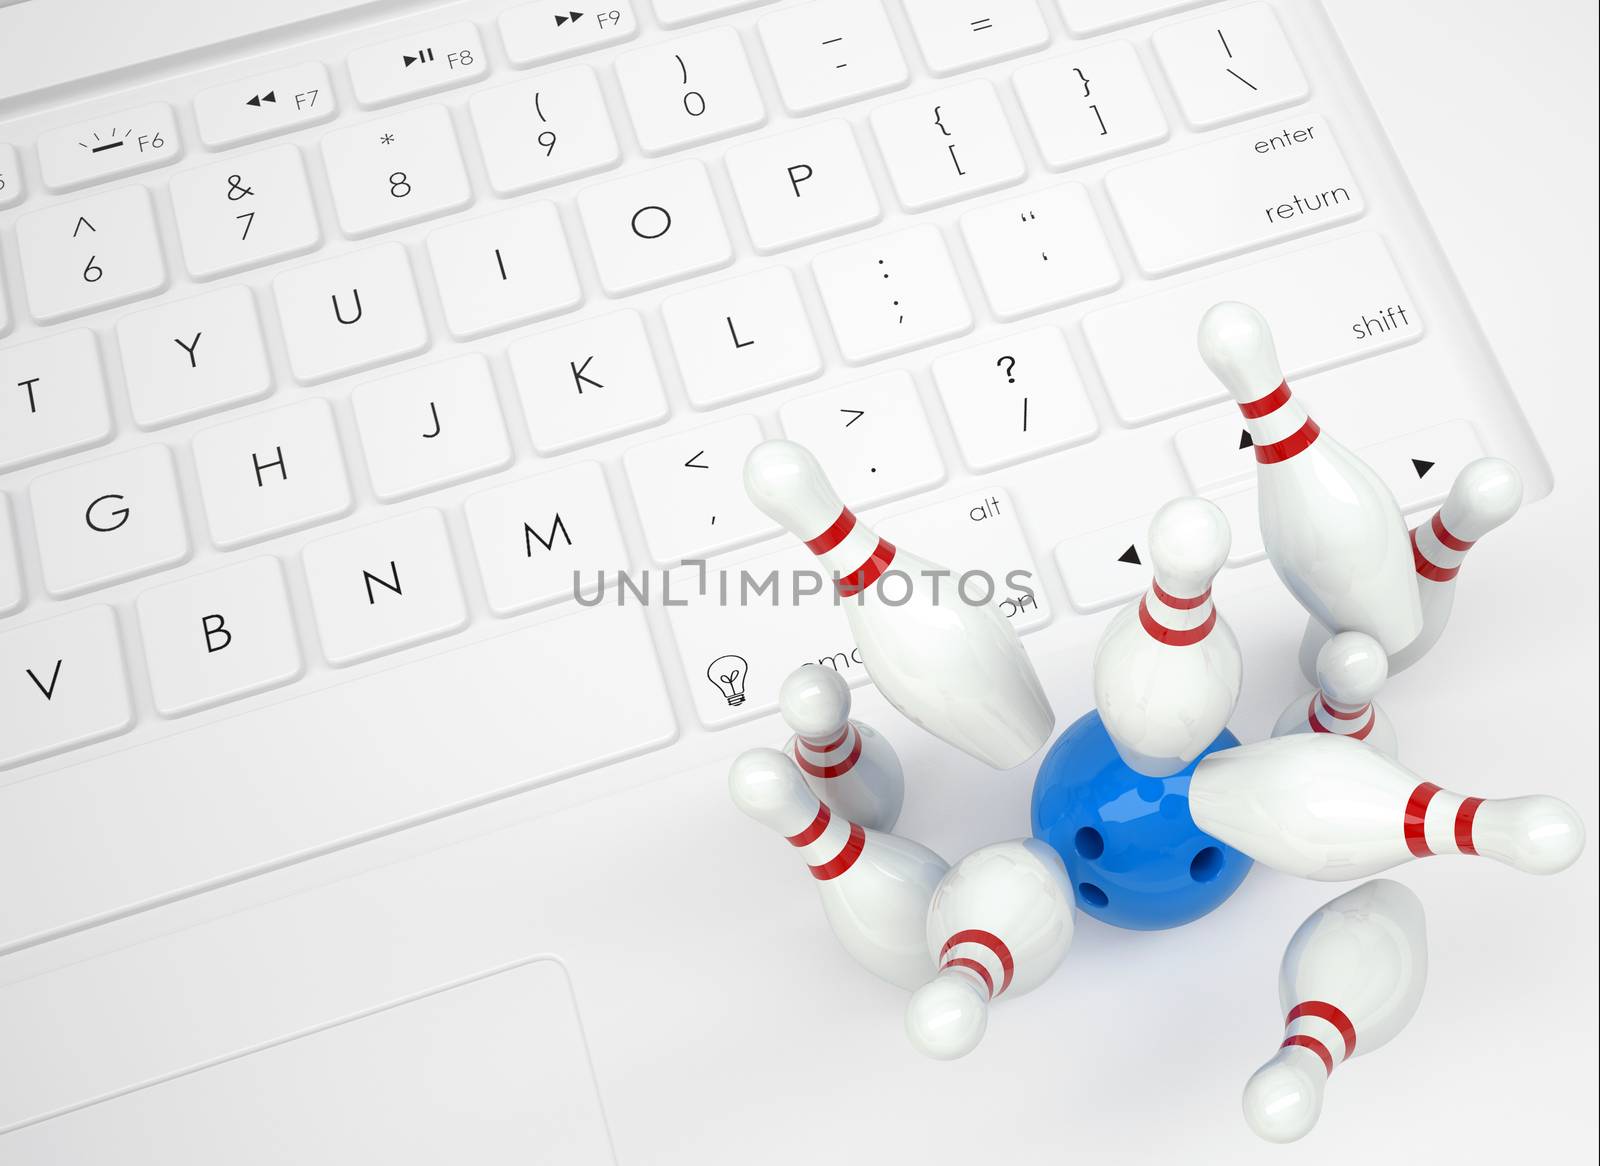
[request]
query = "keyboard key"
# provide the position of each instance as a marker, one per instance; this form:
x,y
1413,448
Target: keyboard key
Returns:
x,y
1092,104
11,593
431,426
872,438
62,685
1328,304
97,252
194,356
675,12
349,313
741,337
548,129
805,185
1233,194
11,188
52,398
271,473
689,489
891,294
503,269
654,227
1105,567
418,63
395,170
952,38
1420,467
587,382
1230,66
101,522
946,145
291,98
1039,251
1216,453
690,90
112,146
534,537
1014,398
219,636
1085,17
828,52
380,588
244,212
5,306
547,31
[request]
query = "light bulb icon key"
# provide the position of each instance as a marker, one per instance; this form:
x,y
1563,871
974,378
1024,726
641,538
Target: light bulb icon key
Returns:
x,y
728,673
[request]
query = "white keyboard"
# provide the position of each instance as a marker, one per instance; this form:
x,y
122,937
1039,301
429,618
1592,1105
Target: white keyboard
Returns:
x,y
325,372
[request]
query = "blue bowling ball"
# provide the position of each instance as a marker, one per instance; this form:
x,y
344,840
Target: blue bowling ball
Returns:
x,y
1136,858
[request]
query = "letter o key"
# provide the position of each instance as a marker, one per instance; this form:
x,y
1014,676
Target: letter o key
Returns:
x,y
661,220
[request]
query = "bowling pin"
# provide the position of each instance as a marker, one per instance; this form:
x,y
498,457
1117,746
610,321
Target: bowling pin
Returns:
x,y
850,766
1352,978
1330,526
1351,670
1485,494
1000,922
875,888
1167,670
1324,807
956,669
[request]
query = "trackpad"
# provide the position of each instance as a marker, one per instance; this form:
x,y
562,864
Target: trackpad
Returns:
x,y
486,1072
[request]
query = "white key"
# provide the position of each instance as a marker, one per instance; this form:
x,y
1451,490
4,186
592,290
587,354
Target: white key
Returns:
x,y
11,593
1092,104
548,129
871,436
689,489
1216,453
219,636
395,170
418,63
534,537
431,426
1085,17
1420,467
101,522
1329,304
62,684
291,98
891,294
11,187
1039,251
1230,66
52,398
805,185
244,212
97,252
112,146
5,307
654,227
545,31
193,356
675,12
1233,194
947,144
1014,398
741,337
587,382
271,473
380,588
828,52
503,269
349,313
953,38
690,90
1106,566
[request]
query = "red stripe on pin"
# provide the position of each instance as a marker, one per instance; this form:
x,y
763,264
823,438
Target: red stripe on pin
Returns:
x,y
1429,570
1335,1016
1343,716
972,966
1444,536
814,831
1271,403
828,746
869,572
1177,604
989,940
1464,819
1416,817
834,535
1310,1042
827,771
1175,637
1296,443
845,859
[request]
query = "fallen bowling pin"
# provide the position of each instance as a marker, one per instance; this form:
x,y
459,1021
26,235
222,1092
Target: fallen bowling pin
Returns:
x,y
1000,922
957,669
1352,978
875,888
1324,807
849,765
1331,528
1351,671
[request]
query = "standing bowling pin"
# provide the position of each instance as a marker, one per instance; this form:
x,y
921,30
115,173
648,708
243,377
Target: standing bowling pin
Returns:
x,y
1351,670
1352,979
1000,921
875,887
1330,526
1167,671
954,668
1325,807
850,766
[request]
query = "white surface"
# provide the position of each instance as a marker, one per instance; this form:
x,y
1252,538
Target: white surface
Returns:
x,y
222,229
689,90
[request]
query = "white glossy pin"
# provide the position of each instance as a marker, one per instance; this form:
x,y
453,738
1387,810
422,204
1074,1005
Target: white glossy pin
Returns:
x,y
1351,670
1325,807
849,765
1331,528
875,887
1167,670
957,669
1352,978
999,924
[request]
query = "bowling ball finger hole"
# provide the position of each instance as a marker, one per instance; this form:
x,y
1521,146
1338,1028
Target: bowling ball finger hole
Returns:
x,y
1092,894
1089,843
1206,865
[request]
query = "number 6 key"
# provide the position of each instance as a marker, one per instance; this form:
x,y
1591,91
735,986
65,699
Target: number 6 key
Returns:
x,y
79,257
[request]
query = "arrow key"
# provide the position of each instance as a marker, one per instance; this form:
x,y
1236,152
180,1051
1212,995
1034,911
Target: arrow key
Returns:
x,y
1106,566
1419,467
